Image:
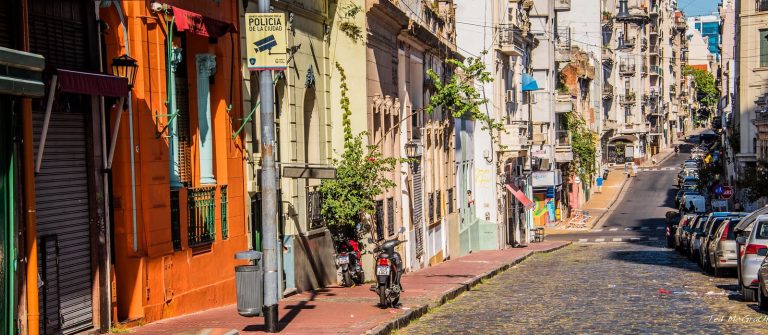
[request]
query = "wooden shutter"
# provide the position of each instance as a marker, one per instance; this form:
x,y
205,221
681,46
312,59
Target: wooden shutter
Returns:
x,y
182,123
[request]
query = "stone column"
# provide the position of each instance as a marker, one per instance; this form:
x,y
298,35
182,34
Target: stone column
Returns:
x,y
206,67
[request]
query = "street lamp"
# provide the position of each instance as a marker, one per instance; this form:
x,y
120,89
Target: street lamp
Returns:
x,y
125,67
411,149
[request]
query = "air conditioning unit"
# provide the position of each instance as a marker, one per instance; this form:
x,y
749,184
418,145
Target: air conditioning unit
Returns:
x,y
511,96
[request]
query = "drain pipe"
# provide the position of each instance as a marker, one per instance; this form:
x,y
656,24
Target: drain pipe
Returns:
x,y
28,185
130,130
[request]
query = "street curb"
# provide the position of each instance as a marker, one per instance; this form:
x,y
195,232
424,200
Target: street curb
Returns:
x,y
415,313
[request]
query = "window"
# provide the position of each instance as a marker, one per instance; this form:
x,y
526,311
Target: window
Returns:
x,y
762,231
224,213
314,203
761,5
380,219
391,216
431,208
201,216
182,120
764,47
439,209
449,195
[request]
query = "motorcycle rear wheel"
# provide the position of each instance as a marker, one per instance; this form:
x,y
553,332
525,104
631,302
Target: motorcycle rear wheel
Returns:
x,y
382,296
348,279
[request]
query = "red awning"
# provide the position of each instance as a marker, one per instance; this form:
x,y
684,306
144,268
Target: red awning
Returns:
x,y
92,83
201,25
519,195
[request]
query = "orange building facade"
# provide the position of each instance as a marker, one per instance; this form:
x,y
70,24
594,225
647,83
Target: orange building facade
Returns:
x,y
179,214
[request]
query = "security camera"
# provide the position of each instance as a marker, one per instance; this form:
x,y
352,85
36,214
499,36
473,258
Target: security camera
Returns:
x,y
156,7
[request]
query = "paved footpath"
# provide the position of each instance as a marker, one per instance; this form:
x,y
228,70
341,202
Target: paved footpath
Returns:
x,y
337,310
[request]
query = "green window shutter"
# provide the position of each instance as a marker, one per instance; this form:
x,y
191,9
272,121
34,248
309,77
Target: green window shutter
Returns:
x,y
763,47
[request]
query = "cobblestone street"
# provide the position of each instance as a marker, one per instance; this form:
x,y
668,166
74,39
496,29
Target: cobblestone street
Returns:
x,y
606,288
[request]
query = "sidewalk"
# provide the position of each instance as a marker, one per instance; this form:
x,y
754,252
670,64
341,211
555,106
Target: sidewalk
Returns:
x,y
598,204
337,310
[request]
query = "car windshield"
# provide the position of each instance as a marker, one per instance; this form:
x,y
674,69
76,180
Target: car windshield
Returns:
x,y
762,230
715,225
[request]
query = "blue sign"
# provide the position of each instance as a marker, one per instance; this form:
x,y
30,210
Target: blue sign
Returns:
x,y
719,190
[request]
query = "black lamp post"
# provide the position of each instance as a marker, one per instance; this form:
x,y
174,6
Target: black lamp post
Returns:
x,y
125,67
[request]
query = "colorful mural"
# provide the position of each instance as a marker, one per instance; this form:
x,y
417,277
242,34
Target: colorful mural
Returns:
x,y
541,209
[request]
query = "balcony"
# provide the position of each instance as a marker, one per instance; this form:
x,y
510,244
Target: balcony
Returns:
x,y
510,40
653,30
607,55
563,5
606,21
656,70
611,124
643,44
627,43
527,4
563,103
632,11
515,136
627,69
628,100
644,70
607,91
563,44
653,50
654,12
680,24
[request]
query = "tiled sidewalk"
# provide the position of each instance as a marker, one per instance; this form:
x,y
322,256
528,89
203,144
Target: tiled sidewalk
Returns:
x,y
337,310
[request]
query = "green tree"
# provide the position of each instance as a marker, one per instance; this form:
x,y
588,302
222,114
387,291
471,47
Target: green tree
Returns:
x,y
360,173
583,145
706,91
460,96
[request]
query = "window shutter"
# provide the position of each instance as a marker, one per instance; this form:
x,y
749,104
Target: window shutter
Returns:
x,y
763,47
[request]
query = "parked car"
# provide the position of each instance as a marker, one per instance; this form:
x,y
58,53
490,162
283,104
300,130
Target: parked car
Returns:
x,y
690,164
672,219
688,233
683,225
682,192
687,172
694,243
722,250
699,203
713,223
690,181
762,277
750,260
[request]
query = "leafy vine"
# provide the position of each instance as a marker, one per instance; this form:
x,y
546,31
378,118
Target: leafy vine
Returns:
x,y
583,144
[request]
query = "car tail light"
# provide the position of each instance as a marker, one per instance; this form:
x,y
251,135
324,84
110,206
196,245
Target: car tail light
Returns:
x,y
752,249
725,233
754,281
383,262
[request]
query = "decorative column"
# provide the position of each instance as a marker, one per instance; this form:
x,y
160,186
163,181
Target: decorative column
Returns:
x,y
206,67
173,129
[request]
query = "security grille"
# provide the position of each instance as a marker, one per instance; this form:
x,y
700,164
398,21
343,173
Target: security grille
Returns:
x,y
314,203
391,216
438,204
380,219
224,213
182,126
201,215
431,208
449,195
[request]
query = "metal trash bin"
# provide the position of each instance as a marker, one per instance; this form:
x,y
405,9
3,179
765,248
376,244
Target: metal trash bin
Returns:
x,y
249,281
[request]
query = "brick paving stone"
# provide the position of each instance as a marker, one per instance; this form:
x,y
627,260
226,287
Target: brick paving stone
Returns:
x,y
609,288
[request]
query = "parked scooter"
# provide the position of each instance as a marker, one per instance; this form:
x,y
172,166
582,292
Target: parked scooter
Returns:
x,y
389,269
350,262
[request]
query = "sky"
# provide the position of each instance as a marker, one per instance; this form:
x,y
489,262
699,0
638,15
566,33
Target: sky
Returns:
x,y
697,7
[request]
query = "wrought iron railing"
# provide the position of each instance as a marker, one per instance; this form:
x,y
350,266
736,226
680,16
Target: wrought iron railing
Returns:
x,y
201,215
224,213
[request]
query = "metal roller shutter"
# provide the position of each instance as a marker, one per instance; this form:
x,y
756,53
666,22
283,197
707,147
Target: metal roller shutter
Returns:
x,y
63,225
418,209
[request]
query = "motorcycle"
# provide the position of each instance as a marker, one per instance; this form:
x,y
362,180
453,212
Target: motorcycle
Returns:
x,y
350,262
389,270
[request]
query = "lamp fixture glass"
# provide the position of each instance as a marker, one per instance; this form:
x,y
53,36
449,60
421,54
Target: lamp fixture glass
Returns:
x,y
125,67
411,149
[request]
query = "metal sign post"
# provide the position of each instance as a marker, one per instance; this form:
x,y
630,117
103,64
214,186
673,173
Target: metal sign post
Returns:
x,y
266,51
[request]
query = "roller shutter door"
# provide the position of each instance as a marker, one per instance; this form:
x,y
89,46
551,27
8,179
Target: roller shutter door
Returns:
x,y
66,303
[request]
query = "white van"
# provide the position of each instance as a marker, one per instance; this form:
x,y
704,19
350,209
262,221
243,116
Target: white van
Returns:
x,y
698,200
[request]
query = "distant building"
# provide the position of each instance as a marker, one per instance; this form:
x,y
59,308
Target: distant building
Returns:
x,y
709,28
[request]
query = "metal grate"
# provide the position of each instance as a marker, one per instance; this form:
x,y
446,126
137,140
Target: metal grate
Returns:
x,y
314,204
175,220
201,215
431,208
438,204
391,216
224,213
449,195
182,127
380,219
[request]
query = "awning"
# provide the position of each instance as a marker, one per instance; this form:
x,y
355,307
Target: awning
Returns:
x,y
625,138
519,195
92,84
201,25
529,83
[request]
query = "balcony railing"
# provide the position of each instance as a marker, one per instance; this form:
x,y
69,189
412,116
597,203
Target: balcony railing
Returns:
x,y
627,69
562,4
656,70
201,218
510,40
629,99
627,43
607,91
654,50
607,55
563,103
